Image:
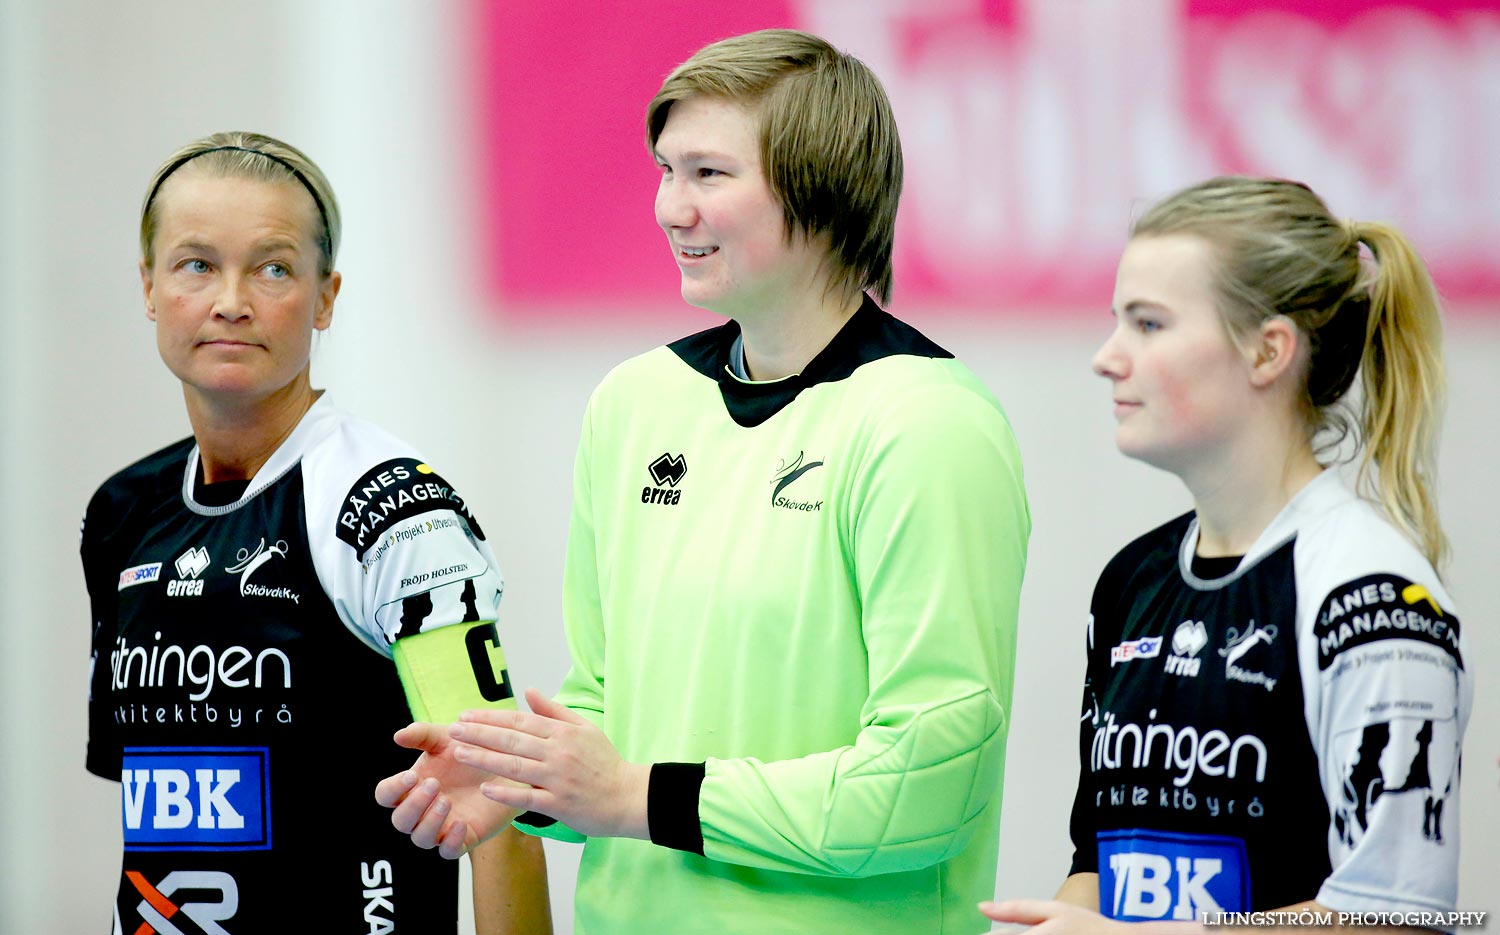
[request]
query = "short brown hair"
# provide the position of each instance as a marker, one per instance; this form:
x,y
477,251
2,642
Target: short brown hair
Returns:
x,y
828,142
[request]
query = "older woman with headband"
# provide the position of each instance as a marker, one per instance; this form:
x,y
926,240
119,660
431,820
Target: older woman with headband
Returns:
x,y
252,584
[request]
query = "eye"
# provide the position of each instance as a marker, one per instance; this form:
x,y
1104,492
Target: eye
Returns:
x,y
666,170
276,270
1147,325
195,266
706,173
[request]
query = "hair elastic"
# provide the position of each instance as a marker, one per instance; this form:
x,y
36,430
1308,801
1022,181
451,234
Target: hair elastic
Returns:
x,y
327,239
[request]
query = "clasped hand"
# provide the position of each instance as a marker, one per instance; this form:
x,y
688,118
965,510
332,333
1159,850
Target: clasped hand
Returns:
x,y
474,776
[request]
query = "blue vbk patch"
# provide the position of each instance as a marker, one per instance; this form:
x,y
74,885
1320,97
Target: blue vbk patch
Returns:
x,y
1146,875
196,798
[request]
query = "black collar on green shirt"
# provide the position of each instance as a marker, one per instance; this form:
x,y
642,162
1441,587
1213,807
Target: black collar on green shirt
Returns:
x,y
869,335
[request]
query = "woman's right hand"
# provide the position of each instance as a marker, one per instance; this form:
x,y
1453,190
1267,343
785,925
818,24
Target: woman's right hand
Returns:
x,y
437,802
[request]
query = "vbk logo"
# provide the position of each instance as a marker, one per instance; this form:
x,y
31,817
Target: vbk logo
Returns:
x,y
1146,875
666,470
156,906
196,799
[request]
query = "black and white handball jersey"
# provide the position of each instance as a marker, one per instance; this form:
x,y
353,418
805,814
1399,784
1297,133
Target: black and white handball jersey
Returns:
x,y
242,689
1288,731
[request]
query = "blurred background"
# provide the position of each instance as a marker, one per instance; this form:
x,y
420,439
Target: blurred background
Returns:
x,y
500,256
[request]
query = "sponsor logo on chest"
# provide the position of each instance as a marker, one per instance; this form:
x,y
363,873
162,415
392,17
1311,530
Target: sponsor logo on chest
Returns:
x,y
139,574
196,799
1148,875
1189,637
1147,647
251,561
787,474
189,565
213,897
378,894
667,472
1241,663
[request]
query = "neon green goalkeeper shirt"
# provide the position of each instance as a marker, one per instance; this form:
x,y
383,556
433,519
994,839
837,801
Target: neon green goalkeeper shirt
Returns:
x,y
797,599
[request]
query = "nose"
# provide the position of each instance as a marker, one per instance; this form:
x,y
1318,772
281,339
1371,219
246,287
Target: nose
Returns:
x,y
1110,361
233,300
674,205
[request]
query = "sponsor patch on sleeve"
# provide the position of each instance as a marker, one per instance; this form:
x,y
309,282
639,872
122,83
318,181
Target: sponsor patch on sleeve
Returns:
x,y
1383,607
391,492
1147,875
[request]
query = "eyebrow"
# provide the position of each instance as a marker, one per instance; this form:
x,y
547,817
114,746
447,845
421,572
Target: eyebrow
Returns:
x,y
269,245
274,244
1137,305
697,155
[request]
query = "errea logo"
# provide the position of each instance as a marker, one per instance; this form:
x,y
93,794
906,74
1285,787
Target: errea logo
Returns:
x,y
189,565
667,472
1190,637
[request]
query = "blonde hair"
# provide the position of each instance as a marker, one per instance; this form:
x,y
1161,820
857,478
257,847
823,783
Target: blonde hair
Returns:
x,y
240,154
828,142
1280,252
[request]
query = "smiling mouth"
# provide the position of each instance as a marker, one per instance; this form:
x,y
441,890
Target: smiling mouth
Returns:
x,y
697,252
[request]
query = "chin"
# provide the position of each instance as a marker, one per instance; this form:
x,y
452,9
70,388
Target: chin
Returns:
x,y
707,300
1138,450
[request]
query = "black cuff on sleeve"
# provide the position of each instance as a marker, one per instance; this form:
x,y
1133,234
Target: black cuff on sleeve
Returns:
x,y
672,806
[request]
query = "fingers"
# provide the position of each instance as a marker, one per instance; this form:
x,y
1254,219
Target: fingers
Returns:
x,y
421,736
409,811
429,829
1021,911
525,798
498,739
524,721
546,707
454,841
506,765
392,789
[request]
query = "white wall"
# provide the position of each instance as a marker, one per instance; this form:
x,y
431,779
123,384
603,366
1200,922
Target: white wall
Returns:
x,y
96,94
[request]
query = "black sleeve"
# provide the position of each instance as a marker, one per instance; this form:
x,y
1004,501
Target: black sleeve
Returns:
x,y
103,755
1083,824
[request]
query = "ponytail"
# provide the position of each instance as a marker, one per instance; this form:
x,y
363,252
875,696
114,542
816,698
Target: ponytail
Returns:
x,y
1404,388
1281,252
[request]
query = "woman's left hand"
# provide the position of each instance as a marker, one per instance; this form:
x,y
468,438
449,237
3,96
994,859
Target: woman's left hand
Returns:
x,y
1050,917
573,771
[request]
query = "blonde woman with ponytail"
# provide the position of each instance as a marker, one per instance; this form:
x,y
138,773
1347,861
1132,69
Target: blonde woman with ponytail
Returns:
x,y
1276,692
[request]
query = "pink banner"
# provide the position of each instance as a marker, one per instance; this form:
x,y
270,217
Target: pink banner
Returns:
x,y
1033,130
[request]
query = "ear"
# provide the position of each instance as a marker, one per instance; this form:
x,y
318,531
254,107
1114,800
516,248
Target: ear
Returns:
x,y
1274,350
329,291
146,291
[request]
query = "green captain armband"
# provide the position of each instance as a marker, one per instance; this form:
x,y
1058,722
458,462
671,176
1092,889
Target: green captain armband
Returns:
x,y
452,669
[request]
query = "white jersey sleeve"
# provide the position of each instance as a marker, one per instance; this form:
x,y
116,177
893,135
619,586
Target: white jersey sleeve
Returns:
x,y
396,547
1388,696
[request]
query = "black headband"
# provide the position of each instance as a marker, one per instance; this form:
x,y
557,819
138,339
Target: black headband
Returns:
x,y
327,241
